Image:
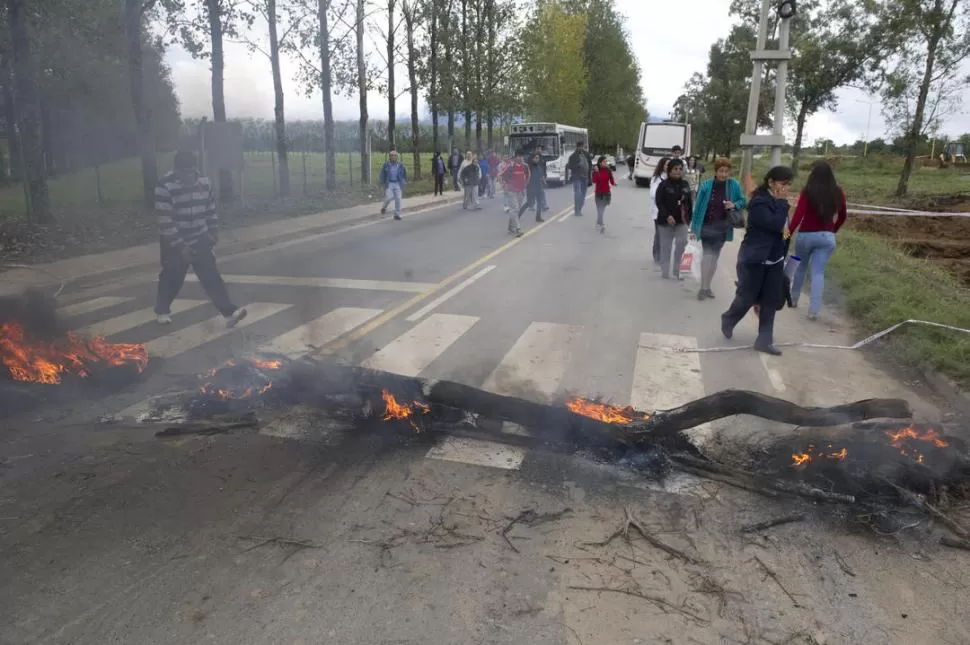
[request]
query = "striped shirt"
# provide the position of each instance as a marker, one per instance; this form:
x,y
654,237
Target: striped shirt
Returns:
x,y
185,212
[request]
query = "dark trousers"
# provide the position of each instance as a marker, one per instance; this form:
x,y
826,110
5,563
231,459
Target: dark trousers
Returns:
x,y
532,199
173,272
656,243
439,184
454,180
758,284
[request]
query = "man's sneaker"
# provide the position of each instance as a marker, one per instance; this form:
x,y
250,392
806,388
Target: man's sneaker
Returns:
x,y
507,209
233,319
164,319
383,210
518,232
397,217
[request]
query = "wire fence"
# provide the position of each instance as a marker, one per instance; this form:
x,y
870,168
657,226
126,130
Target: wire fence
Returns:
x,y
117,186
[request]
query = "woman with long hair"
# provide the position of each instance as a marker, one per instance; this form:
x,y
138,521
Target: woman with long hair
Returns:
x,y
602,181
659,174
716,199
820,213
761,259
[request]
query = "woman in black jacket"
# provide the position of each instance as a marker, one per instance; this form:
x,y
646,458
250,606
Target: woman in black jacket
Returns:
x,y
761,259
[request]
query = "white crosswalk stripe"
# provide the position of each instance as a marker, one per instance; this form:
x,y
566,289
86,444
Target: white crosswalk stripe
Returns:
x,y
195,335
535,365
88,306
134,319
332,325
664,378
320,283
410,353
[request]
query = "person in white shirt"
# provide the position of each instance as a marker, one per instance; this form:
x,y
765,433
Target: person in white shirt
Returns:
x,y
659,174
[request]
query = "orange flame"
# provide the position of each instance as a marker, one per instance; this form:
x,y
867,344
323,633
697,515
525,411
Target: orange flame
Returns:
x,y
394,410
229,394
910,433
605,413
811,454
41,361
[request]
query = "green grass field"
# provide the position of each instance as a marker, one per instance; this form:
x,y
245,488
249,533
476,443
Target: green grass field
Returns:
x,y
883,286
873,180
76,194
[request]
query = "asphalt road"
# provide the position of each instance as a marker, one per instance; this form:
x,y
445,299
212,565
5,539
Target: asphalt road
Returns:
x,y
303,534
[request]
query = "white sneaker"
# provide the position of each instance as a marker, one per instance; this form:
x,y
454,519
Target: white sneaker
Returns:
x,y
233,319
164,319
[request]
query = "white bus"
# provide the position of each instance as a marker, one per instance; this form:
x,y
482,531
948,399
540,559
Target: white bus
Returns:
x,y
655,142
558,142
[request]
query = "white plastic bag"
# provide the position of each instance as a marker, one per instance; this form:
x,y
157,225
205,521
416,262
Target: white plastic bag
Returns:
x,y
690,263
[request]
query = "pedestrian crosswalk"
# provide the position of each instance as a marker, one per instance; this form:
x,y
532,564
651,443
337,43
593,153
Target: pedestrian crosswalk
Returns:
x,y
538,355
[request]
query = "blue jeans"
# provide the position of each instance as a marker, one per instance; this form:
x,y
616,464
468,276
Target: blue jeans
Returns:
x,y
393,192
580,186
814,249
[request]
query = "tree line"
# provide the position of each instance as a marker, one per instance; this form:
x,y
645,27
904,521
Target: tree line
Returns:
x,y
85,83
909,53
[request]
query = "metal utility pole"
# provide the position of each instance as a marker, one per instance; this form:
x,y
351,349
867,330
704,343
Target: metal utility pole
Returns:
x,y
750,138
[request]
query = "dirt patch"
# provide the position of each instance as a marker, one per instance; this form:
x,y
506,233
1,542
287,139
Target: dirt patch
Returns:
x,y
942,240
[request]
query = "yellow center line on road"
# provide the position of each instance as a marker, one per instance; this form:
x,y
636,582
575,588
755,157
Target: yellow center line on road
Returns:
x,y
362,331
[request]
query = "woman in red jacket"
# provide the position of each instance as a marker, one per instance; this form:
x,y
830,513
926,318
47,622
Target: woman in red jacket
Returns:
x,y
820,213
602,180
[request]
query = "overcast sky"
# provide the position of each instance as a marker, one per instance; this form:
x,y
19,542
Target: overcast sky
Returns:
x,y
667,55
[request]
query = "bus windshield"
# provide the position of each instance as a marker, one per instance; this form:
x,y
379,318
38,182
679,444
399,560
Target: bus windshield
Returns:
x,y
529,142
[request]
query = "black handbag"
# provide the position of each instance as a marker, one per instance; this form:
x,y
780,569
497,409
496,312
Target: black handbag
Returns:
x,y
735,218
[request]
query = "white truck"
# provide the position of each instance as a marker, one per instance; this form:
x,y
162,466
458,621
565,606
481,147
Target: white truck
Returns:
x,y
656,141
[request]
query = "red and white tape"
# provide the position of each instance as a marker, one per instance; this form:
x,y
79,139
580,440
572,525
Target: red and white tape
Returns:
x,y
870,209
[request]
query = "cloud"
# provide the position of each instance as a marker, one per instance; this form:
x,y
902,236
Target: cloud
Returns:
x,y
669,45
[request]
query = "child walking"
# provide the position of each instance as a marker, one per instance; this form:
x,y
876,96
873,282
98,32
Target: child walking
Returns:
x,y
602,180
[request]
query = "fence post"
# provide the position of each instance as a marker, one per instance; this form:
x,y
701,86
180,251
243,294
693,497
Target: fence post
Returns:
x,y
272,157
304,170
350,166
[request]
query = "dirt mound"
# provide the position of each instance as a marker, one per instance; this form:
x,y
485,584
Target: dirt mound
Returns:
x,y
942,240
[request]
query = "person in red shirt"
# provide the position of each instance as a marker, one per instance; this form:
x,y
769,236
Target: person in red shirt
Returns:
x,y
515,177
820,213
602,180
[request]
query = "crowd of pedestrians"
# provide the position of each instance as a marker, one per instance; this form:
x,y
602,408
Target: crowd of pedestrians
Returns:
x,y
685,208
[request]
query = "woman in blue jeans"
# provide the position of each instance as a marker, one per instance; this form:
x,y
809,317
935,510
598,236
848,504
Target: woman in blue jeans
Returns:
x,y
820,213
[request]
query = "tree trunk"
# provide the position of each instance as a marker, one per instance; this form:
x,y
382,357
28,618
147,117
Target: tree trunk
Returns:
x,y
479,89
144,137
912,135
278,113
26,108
391,98
325,85
490,69
466,74
413,80
449,78
47,138
10,118
796,150
218,61
365,170
433,75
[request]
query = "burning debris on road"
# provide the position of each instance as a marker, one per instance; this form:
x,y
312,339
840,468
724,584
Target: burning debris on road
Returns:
x,y
35,348
834,456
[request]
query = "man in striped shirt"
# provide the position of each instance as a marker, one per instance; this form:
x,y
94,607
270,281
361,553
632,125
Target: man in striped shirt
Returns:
x,y
188,228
